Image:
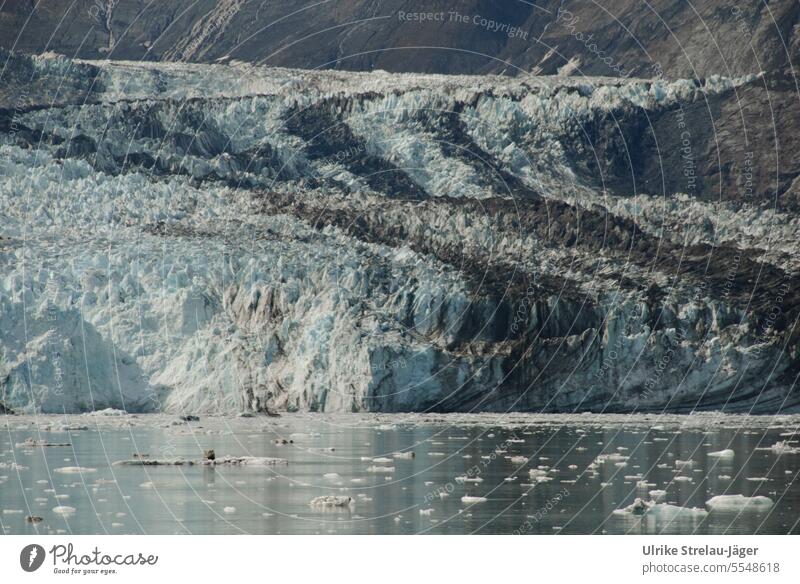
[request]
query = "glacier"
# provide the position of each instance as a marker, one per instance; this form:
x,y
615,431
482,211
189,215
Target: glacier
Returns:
x,y
233,238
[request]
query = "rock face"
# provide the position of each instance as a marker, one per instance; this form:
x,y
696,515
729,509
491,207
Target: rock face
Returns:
x,y
609,37
213,238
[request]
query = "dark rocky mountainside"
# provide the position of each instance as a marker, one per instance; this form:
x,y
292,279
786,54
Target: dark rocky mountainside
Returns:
x,y
610,37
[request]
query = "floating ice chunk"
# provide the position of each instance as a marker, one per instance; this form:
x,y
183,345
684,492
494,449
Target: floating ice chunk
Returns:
x,y
466,479
675,512
75,470
660,510
472,500
739,503
332,476
518,459
426,512
386,469
64,510
657,495
638,507
332,501
382,460
727,454
610,457
783,447
404,455
539,475
229,509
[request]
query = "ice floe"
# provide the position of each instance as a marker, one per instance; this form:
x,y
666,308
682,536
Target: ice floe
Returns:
x,y
739,503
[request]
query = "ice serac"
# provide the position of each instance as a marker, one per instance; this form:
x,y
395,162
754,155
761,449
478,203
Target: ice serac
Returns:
x,y
209,238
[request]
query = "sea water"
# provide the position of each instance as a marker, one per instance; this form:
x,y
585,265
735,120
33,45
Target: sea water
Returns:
x,y
404,474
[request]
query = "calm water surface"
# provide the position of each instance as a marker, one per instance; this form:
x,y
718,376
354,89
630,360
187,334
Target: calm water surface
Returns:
x,y
574,487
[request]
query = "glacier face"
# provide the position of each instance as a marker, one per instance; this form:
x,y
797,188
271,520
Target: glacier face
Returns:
x,y
201,238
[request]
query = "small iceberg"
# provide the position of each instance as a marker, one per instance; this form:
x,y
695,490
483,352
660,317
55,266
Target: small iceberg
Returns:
x,y
332,501
739,503
661,510
75,470
783,447
64,510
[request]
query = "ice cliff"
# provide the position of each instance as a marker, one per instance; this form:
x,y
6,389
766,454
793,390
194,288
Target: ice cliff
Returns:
x,y
209,238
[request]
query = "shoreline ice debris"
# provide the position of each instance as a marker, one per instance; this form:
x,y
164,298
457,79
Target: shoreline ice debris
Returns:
x,y
332,501
31,443
739,503
225,460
